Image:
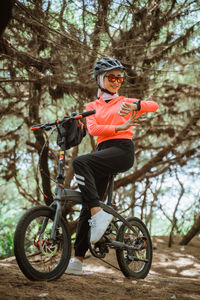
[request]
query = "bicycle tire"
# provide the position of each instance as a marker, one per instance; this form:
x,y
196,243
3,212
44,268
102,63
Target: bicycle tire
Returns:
x,y
134,263
40,259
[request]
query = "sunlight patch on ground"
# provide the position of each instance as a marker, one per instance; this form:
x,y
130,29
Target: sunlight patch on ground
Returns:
x,y
153,273
164,264
177,254
173,271
159,240
119,280
5,265
183,261
183,265
100,269
190,272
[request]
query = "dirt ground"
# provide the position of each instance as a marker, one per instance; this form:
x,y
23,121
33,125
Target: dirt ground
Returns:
x,y
175,274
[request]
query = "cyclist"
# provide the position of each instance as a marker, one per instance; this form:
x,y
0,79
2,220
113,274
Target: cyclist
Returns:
x,y
112,124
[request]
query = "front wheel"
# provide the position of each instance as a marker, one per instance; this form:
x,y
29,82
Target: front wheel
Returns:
x,y
38,257
134,261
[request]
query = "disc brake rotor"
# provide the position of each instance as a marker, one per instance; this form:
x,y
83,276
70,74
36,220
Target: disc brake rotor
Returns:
x,y
47,248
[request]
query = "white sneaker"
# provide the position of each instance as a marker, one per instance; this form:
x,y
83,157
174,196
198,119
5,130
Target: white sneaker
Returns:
x,y
75,267
99,223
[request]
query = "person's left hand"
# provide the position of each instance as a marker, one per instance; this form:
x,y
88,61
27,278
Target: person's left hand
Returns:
x,y
126,108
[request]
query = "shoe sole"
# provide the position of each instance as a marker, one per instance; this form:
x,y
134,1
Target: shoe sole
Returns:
x,y
84,273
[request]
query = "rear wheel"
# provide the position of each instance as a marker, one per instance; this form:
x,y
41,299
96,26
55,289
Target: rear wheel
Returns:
x,y
39,257
136,261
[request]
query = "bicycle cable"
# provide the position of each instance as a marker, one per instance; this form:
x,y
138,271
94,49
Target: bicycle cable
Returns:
x,y
39,163
49,126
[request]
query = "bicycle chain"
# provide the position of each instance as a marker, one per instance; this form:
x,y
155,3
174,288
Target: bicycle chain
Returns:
x,y
109,264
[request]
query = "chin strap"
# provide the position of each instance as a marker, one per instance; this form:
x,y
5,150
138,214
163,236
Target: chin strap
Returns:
x,y
106,91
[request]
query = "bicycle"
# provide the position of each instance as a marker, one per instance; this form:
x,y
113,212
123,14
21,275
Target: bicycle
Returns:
x,y
42,239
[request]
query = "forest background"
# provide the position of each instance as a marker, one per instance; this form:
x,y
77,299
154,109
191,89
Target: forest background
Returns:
x,y
47,54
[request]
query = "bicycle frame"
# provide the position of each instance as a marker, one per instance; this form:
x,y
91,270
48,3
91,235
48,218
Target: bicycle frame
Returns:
x,y
71,196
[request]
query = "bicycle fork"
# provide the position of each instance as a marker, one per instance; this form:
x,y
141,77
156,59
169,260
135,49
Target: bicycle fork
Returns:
x,y
55,222
58,196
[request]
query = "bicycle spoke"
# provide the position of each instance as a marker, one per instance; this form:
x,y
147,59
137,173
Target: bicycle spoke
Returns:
x,y
136,260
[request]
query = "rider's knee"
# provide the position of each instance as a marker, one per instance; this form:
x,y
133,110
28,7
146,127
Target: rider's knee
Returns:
x,y
79,161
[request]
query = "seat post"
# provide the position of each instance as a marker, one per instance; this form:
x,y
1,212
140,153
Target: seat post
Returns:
x,y
110,189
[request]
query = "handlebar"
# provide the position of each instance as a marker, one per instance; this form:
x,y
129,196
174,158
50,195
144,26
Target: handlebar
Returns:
x,y
88,113
74,116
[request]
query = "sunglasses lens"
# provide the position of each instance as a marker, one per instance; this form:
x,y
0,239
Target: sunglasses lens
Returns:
x,y
120,79
112,78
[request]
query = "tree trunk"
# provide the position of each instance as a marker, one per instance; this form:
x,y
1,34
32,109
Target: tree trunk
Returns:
x,y
192,232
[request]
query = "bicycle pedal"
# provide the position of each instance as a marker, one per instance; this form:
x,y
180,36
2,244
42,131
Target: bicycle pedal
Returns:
x,y
102,240
109,229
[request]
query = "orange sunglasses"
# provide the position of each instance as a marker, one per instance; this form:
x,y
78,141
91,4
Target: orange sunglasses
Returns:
x,y
113,78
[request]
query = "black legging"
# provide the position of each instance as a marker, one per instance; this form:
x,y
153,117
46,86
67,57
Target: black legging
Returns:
x,y
92,172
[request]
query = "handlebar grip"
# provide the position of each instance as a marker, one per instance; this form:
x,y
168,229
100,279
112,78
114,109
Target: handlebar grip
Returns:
x,y
35,128
88,113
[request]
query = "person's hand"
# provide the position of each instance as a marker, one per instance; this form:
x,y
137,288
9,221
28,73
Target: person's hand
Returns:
x,y
131,122
126,108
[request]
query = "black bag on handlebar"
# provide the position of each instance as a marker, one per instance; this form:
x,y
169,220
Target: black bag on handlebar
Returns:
x,y
71,134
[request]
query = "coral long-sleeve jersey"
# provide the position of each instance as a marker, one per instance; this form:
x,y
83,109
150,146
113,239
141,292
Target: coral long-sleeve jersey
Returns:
x,y
103,123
